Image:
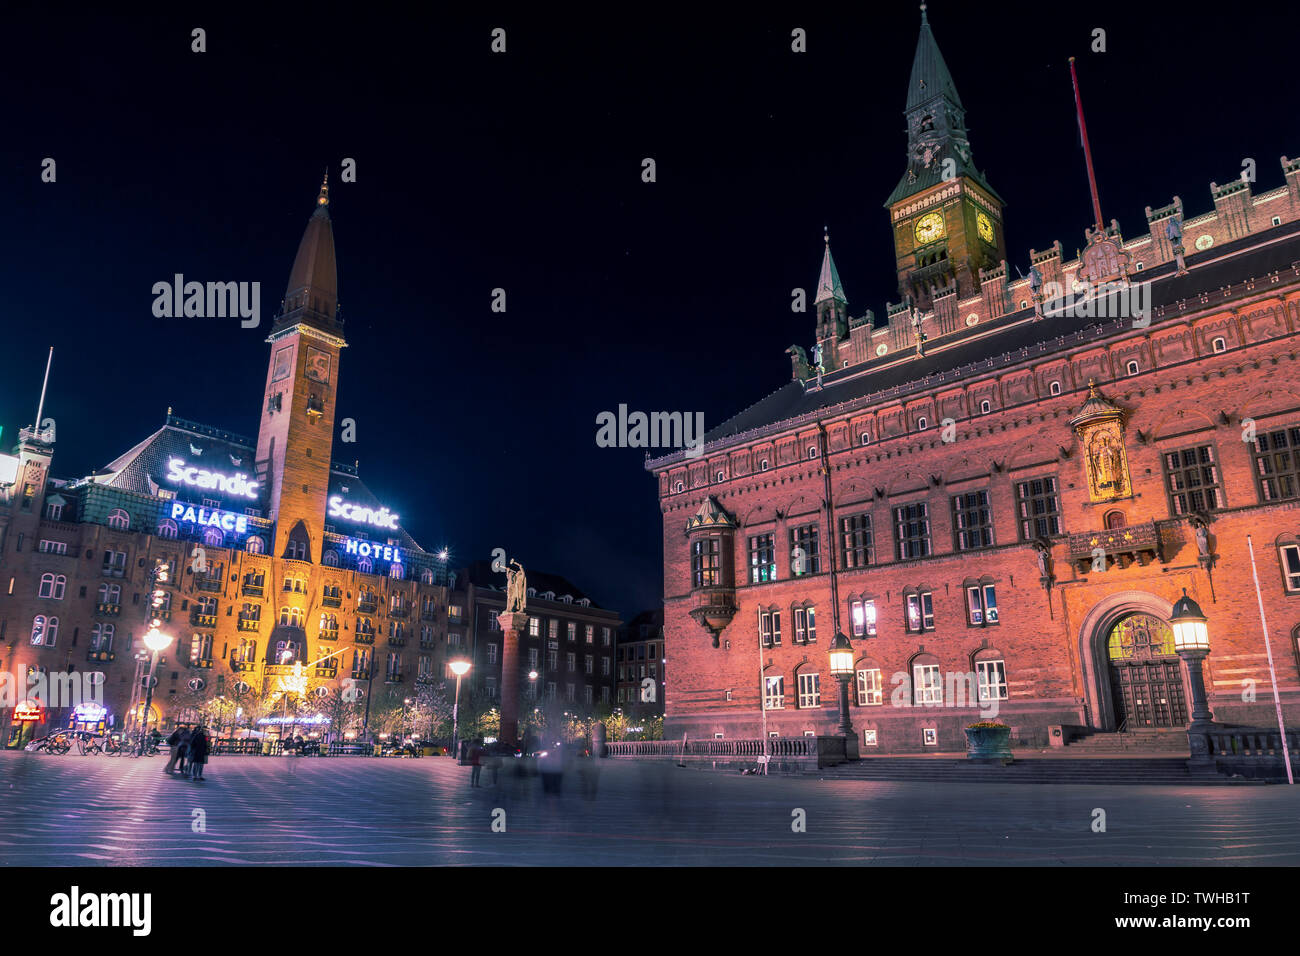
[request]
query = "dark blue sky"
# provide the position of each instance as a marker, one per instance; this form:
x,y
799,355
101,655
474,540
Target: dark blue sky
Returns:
x,y
522,171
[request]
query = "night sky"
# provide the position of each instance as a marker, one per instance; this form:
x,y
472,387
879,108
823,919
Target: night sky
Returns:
x,y
522,171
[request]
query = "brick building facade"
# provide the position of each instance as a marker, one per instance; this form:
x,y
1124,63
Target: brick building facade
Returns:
x,y
277,555
1024,475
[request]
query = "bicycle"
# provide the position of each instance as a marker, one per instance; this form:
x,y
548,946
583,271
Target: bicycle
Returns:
x,y
90,745
57,744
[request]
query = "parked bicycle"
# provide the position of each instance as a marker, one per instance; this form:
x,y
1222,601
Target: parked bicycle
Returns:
x,y
91,745
57,743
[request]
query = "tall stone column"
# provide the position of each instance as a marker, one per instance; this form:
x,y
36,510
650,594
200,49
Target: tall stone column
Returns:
x,y
512,622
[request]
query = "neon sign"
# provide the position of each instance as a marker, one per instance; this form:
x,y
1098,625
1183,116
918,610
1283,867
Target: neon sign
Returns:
x,y
372,549
382,518
237,484
210,517
28,710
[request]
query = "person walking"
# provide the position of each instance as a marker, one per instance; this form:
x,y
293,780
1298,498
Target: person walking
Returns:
x,y
174,742
184,750
475,762
198,752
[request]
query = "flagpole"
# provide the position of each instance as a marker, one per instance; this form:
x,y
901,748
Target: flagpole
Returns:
x,y
1272,673
1087,150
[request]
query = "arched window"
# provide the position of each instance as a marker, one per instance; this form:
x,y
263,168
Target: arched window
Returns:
x,y
101,637
119,520
167,528
365,565
47,586
812,452
679,487
255,545
865,438
60,586
722,476
426,576
213,537
1054,388
1133,368
1114,519
927,685
1219,344
396,570
38,629
330,558
762,465
922,424
115,594
329,623
985,407
991,675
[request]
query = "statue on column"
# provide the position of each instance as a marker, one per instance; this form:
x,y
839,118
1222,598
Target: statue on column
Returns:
x,y
516,587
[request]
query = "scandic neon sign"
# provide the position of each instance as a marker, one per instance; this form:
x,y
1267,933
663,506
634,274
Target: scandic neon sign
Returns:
x,y
210,517
383,518
237,484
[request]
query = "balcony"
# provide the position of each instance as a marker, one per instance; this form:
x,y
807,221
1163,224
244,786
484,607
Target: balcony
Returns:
x,y
201,662
250,623
397,642
714,609
112,571
242,666
252,590
362,674
367,606
108,610
206,582
94,655
161,613
393,678
329,634
203,620
402,611
364,637
1133,544
327,672
429,614
332,600
428,645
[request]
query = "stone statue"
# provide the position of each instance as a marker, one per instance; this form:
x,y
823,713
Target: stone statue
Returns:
x,y
1202,539
516,587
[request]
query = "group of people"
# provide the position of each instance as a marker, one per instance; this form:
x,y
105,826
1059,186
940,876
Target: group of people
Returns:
x,y
189,751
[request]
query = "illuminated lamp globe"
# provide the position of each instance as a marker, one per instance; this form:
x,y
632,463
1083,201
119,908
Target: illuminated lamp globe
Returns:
x,y
1188,622
459,667
841,655
156,640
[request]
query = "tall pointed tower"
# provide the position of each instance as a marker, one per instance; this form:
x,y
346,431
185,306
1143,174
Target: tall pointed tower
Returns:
x,y
296,437
832,308
947,219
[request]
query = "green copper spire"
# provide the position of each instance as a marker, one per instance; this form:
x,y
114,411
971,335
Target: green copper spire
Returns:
x,y
930,76
828,285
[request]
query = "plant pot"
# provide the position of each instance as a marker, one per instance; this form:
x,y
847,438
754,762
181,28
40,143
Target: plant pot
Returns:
x,y
988,743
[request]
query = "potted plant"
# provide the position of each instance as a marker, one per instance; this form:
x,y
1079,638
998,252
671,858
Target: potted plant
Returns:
x,y
988,740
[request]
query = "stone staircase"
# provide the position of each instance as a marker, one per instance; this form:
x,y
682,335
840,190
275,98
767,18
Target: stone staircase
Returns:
x,y
1146,771
1137,742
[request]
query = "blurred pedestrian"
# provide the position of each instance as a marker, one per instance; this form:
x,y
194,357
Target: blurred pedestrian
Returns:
x,y
475,761
174,742
198,752
550,763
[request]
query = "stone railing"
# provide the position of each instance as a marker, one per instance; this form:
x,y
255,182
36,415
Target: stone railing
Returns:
x,y
1247,751
789,753
1124,546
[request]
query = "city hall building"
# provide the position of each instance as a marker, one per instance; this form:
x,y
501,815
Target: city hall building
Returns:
x,y
275,554
1006,481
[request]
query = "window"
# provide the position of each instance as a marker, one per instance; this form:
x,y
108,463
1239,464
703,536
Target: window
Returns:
x,y
590,633
571,661
985,407
52,547
52,586
762,559
534,627
552,660
769,628
929,689
589,664
981,604
721,476
810,694
115,563
1277,464
922,424
1133,368
604,637
856,541
54,511
119,520
1219,344
762,465
1193,480
167,528
1039,508
492,653
912,530
812,452
679,487
773,693
112,594
365,566
1290,554
805,625
991,676
920,610
38,630
604,666
862,615
568,692
804,538
298,551
706,559
972,523
213,538
396,570
426,576
870,687
550,690
255,545
571,631
200,648
865,438
1054,388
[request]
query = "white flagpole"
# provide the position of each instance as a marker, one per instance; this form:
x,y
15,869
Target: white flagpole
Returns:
x,y
1272,673
762,693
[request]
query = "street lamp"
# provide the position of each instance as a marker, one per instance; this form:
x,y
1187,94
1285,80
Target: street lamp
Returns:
x,y
458,667
1192,642
156,641
842,670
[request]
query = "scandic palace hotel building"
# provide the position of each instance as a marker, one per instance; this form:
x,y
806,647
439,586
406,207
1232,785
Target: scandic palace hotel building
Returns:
x,y
1016,496
301,563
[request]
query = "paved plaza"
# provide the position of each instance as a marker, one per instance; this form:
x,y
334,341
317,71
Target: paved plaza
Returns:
x,y
88,811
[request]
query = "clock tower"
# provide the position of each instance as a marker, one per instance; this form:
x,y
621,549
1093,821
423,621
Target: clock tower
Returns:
x,y
295,439
947,220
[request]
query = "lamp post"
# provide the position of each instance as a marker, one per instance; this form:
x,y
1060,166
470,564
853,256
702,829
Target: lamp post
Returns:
x,y
1192,642
841,670
458,667
156,641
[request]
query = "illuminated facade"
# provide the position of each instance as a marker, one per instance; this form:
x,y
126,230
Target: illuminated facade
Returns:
x,y
998,490
277,555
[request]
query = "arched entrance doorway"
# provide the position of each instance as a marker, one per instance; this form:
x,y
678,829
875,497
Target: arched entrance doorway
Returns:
x,y
1146,676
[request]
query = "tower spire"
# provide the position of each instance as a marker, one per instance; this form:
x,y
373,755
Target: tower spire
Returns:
x,y
312,292
828,284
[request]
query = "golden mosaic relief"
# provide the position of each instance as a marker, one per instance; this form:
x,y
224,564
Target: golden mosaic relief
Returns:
x,y
1105,459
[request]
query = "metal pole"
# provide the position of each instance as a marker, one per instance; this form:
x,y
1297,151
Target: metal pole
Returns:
x,y
148,701
1087,150
1272,674
455,721
40,409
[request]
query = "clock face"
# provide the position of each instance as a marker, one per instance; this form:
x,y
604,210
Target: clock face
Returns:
x,y
929,228
985,227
